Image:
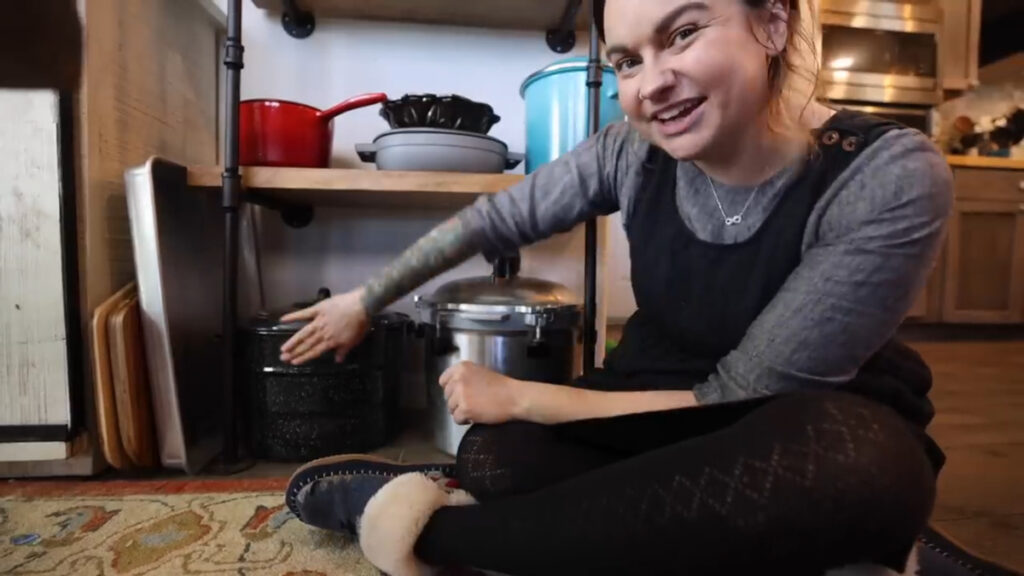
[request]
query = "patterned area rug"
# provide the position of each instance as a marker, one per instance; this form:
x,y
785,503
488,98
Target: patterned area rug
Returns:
x,y
209,527
236,527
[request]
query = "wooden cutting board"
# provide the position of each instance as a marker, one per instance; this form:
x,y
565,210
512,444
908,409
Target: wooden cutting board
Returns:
x,y
131,385
103,384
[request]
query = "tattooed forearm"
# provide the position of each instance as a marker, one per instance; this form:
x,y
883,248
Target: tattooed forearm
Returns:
x,y
443,248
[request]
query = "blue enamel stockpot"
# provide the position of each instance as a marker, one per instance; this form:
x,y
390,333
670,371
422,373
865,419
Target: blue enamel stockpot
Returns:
x,y
557,119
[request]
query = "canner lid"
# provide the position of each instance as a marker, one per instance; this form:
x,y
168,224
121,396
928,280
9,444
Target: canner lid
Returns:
x,y
517,294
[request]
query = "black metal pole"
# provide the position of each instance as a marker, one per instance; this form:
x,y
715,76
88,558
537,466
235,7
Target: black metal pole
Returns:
x,y
594,78
232,181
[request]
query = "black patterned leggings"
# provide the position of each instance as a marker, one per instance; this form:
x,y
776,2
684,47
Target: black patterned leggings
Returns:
x,y
793,484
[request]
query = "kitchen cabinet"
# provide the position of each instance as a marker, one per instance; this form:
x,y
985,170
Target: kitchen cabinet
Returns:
x,y
985,275
919,311
959,43
978,277
984,279
928,306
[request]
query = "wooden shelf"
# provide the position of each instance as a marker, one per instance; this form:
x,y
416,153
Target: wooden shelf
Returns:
x,y
985,162
505,14
351,187
215,13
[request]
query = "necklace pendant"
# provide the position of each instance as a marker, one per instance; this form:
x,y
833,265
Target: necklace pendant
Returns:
x,y
734,220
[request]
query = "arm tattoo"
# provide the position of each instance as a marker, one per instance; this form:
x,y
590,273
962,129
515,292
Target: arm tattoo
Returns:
x,y
443,248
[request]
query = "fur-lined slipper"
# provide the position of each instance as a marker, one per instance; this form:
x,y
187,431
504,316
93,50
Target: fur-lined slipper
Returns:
x,y
394,518
330,493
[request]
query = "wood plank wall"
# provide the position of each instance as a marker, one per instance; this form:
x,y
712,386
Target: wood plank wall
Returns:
x,y
150,88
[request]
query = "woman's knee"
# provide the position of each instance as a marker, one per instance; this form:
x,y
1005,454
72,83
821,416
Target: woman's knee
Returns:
x,y
859,437
498,460
870,466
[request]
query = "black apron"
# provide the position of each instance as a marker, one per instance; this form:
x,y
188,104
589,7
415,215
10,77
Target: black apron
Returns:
x,y
696,299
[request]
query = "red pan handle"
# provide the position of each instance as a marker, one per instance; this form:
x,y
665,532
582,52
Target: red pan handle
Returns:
x,y
353,103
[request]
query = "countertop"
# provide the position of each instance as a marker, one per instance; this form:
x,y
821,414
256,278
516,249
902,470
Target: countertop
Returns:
x,y
985,162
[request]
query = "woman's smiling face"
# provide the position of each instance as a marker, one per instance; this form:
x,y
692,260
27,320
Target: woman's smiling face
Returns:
x,y
692,75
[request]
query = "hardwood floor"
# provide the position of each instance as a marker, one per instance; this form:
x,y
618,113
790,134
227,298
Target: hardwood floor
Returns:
x,y
979,400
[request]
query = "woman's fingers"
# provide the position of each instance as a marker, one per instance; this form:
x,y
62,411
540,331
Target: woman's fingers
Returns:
x,y
294,345
304,314
456,402
453,373
289,346
298,338
312,354
311,339
446,375
300,341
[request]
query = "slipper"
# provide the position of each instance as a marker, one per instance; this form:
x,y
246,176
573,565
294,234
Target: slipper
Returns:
x,y
361,464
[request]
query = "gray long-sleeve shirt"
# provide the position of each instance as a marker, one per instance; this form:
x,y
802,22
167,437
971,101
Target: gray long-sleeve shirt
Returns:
x,y
868,247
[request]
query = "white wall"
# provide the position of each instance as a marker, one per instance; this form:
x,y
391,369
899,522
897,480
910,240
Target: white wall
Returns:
x,y
344,58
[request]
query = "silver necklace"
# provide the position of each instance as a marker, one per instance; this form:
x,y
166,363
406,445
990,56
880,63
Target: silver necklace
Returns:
x,y
731,220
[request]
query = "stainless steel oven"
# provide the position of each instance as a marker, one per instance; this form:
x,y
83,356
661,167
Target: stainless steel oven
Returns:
x,y
880,51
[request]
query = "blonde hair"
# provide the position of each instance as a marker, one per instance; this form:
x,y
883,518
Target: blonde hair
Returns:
x,y
793,72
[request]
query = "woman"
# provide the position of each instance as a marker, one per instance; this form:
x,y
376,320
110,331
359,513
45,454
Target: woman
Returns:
x,y
757,414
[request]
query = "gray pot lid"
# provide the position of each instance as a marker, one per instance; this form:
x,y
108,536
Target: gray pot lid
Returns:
x,y
511,294
427,133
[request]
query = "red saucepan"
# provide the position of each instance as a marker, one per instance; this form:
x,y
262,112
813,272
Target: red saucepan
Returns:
x,y
282,133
